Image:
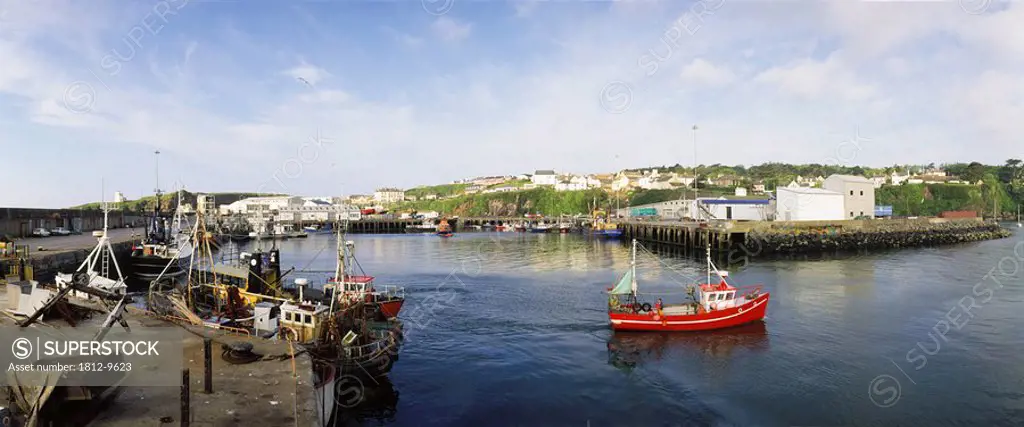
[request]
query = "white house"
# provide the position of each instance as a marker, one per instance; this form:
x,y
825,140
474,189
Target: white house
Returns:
x,y
879,181
620,183
808,204
388,195
544,177
858,194
735,209
501,189
679,180
896,178
569,185
265,204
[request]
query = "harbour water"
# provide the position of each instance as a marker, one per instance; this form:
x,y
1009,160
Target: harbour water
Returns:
x,y
511,329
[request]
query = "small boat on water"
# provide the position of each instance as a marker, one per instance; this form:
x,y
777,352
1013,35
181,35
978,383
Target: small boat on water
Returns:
x,y
317,229
564,227
604,227
709,306
541,227
444,229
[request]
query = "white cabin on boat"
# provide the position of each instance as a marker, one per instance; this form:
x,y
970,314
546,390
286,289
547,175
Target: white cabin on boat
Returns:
x,y
719,296
302,322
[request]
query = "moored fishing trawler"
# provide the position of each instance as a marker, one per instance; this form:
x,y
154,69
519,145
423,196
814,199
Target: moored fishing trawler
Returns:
x,y
709,306
162,252
350,287
603,226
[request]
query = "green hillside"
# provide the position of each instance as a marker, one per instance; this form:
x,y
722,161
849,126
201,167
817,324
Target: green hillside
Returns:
x,y
547,201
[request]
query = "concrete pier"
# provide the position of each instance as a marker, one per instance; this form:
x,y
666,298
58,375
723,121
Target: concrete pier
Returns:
x,y
50,255
768,237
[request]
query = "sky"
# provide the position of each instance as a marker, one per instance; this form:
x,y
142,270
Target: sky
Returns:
x,y
330,98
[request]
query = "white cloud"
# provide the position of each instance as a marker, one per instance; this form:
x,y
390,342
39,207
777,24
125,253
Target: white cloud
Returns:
x,y
449,29
820,69
703,73
525,8
811,79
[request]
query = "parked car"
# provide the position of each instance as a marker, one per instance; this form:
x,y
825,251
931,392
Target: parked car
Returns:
x,y
40,232
60,231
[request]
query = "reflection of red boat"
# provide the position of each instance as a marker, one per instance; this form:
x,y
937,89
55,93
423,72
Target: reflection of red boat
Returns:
x,y
711,306
628,348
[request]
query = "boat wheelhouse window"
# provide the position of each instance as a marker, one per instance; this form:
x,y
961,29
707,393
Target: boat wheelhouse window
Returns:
x,y
721,296
731,295
307,319
287,316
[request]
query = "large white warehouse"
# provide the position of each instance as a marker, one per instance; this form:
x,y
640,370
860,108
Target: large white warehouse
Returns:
x,y
808,204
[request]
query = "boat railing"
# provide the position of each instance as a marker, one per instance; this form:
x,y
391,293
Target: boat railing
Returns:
x,y
393,290
749,292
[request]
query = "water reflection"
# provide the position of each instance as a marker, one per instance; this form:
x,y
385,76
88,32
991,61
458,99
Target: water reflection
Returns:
x,y
374,403
627,350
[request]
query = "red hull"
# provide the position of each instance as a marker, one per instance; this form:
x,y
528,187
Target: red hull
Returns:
x,y
390,309
718,319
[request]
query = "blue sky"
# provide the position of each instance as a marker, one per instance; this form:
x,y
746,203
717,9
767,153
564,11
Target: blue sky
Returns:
x,y
409,92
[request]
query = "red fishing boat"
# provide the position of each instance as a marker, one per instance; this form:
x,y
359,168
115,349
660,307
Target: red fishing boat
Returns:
x,y
385,303
709,306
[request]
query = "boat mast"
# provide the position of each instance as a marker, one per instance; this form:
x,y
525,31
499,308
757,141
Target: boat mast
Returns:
x,y
632,266
708,252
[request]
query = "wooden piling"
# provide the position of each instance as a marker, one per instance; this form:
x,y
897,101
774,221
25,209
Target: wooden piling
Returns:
x,y
208,365
185,397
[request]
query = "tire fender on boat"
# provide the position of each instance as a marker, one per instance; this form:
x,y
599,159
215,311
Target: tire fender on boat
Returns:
x,y
646,307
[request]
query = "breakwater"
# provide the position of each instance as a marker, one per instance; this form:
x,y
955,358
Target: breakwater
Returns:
x,y
802,237
885,234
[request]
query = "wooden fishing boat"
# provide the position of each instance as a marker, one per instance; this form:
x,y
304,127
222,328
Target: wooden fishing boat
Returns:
x,y
709,306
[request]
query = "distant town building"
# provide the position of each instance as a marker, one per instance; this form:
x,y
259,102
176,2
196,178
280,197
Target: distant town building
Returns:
x,y
544,177
621,182
879,181
758,188
735,209
807,204
263,204
858,193
897,178
119,197
360,199
489,180
501,189
570,185
388,195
